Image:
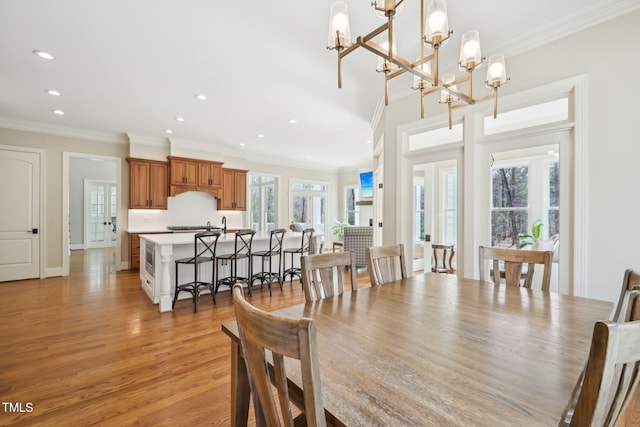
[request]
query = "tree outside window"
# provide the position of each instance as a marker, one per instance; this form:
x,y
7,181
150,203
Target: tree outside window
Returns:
x,y
352,195
510,204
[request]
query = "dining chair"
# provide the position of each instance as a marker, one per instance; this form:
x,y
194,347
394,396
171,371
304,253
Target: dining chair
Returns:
x,y
514,260
631,279
323,274
386,263
261,333
611,376
628,310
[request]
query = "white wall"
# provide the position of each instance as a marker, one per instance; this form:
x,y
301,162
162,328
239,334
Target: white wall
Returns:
x,y
604,53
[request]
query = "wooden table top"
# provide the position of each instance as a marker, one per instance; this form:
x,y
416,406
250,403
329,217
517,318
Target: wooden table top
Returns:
x,y
438,350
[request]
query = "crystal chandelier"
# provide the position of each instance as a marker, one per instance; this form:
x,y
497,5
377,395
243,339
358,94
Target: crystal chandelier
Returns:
x,y
434,33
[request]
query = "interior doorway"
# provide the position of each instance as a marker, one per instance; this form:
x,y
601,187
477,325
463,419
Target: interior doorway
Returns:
x,y
78,168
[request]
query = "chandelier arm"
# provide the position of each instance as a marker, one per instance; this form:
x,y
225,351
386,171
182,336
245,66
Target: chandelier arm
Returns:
x,y
339,72
421,103
396,73
386,91
495,102
373,33
471,87
430,91
390,36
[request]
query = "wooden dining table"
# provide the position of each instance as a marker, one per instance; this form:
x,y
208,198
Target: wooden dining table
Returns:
x,y
438,350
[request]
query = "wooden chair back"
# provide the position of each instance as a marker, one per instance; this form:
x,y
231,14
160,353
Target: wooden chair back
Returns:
x,y
386,263
629,282
610,385
281,337
628,311
323,274
513,260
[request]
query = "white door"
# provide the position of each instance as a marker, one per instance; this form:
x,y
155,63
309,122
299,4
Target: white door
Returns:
x,y
100,214
20,215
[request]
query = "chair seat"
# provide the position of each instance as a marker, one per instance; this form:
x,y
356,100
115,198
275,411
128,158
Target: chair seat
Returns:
x,y
265,253
293,250
192,260
233,256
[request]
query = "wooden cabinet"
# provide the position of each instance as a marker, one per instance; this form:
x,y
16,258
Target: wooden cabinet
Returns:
x,y
209,174
148,184
234,190
183,171
195,175
134,251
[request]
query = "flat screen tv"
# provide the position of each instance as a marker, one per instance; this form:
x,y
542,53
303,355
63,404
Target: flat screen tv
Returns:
x,y
366,184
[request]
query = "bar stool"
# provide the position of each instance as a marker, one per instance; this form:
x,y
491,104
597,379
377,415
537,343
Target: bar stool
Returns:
x,y
242,250
304,249
204,251
275,250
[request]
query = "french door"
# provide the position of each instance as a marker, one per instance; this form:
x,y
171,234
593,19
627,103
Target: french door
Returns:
x,y
309,204
100,214
264,201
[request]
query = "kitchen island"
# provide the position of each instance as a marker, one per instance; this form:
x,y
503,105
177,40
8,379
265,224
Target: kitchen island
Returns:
x,y
159,251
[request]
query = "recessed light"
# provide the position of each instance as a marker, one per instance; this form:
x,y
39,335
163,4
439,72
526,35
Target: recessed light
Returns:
x,y
260,135
43,54
367,142
53,92
308,157
58,112
169,131
242,144
200,97
293,121
179,119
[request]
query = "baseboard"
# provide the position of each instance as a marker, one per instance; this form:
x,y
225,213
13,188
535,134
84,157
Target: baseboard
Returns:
x,y
53,272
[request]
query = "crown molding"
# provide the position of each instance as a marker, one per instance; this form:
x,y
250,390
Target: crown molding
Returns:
x,y
590,15
147,140
49,129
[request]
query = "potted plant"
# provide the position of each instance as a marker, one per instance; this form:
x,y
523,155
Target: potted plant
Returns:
x,y
533,239
338,230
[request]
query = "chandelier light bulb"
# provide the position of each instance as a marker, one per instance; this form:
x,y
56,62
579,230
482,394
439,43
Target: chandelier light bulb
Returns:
x,y
437,23
339,32
496,71
470,56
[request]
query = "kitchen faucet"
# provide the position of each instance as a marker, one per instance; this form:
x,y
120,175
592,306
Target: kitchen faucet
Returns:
x,y
208,225
224,224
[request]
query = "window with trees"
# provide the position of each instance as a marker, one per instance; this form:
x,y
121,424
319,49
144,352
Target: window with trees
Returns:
x,y
308,203
525,190
352,211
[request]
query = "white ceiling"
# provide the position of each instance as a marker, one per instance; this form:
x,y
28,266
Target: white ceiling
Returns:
x,y
133,66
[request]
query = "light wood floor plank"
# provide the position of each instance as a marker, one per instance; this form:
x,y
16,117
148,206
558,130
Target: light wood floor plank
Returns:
x,y
90,349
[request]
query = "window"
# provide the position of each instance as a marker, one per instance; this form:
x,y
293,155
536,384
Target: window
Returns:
x,y
553,198
510,204
418,202
352,211
525,189
263,202
309,204
450,205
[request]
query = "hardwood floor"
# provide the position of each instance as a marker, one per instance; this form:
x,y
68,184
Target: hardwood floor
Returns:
x,y
90,348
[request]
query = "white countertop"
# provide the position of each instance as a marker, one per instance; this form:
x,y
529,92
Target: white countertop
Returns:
x,y
187,238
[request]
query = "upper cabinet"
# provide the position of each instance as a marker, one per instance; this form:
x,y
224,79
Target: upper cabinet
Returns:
x,y
195,175
209,174
234,190
149,186
183,171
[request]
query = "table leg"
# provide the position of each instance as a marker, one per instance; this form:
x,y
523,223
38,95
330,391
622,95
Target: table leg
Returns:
x,y
240,390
